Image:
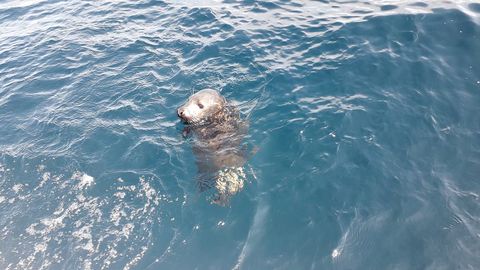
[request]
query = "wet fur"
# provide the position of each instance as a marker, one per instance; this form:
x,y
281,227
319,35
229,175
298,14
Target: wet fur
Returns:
x,y
217,144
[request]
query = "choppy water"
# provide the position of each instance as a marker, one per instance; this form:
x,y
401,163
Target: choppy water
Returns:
x,y
367,120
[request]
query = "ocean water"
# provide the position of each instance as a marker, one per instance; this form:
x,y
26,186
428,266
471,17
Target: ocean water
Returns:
x,y
366,118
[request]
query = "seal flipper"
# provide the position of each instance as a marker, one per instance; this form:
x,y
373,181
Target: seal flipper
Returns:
x,y
186,131
229,181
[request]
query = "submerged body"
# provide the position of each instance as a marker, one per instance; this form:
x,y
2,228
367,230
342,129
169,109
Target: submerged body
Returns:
x,y
218,132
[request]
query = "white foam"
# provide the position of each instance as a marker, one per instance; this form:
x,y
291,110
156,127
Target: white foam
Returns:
x,y
127,229
84,179
335,253
42,247
87,180
149,192
45,178
17,188
52,224
84,234
119,195
137,258
81,198
113,253
118,222
87,265
117,214
40,168
128,188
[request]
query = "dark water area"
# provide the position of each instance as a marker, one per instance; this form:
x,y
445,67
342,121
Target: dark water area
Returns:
x,y
366,118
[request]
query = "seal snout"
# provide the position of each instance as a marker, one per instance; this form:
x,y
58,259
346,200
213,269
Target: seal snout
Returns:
x,y
181,114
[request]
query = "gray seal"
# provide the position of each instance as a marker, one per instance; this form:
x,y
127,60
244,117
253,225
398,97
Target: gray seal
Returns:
x,y
218,131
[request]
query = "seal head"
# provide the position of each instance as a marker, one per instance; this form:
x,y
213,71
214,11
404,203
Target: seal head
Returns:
x,y
201,106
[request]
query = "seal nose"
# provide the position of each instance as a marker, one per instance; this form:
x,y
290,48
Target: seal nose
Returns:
x,y
180,113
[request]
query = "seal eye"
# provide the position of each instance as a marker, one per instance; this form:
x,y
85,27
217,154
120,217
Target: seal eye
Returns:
x,y
200,105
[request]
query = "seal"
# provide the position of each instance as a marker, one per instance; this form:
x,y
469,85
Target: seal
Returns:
x,y
218,131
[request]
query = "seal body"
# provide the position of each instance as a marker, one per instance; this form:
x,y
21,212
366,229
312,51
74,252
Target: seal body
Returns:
x,y
218,132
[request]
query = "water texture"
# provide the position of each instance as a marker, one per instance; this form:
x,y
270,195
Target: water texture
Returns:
x,y
366,117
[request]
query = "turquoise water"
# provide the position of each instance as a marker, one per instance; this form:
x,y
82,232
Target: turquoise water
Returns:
x,y
366,117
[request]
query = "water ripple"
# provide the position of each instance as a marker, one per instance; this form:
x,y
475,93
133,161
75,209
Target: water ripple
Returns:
x,y
365,115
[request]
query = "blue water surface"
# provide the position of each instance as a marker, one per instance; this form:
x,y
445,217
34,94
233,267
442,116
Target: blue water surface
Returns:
x,y
366,118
